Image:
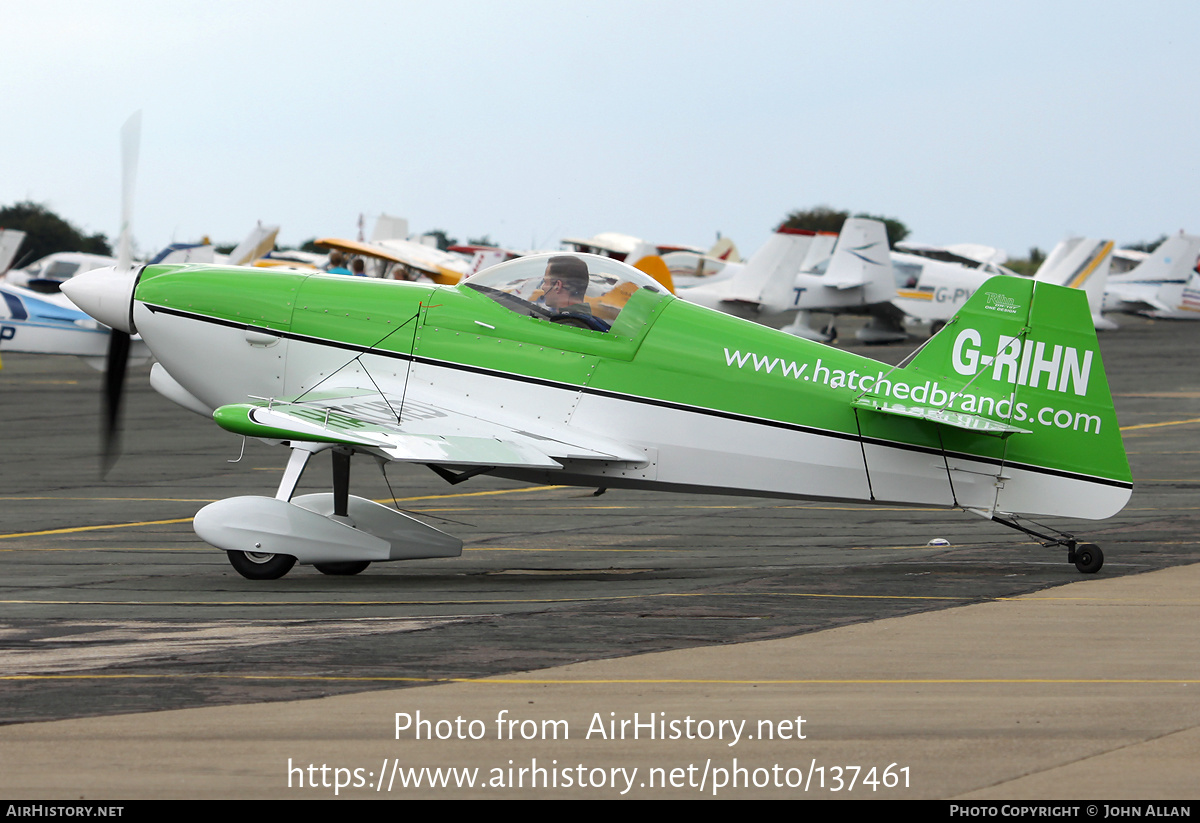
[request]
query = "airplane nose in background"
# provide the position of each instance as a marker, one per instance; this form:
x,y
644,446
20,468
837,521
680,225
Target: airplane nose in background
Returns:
x,y
106,294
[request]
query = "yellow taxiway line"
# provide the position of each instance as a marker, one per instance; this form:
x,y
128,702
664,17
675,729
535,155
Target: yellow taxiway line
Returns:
x,y
72,529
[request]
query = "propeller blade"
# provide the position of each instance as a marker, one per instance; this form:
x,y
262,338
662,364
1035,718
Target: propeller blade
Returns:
x,y
117,361
131,138
114,389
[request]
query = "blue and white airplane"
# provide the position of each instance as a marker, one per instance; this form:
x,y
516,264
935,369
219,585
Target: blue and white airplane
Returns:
x,y
49,324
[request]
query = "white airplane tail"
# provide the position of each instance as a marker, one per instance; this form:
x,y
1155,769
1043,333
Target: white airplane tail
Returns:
x,y
1081,263
1163,284
725,249
1171,262
258,242
389,228
767,276
485,259
10,242
862,259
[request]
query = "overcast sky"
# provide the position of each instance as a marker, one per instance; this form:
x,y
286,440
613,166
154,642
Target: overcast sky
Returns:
x,y
1007,123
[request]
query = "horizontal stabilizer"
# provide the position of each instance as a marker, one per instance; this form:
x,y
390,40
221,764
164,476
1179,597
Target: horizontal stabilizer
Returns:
x,y
960,420
1144,298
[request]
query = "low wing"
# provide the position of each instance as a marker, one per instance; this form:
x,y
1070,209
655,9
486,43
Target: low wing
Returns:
x,y
413,432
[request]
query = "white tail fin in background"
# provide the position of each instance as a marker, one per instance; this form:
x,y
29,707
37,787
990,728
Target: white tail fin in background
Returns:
x,y
862,259
389,228
1162,285
725,249
1171,262
1081,263
772,268
258,242
10,242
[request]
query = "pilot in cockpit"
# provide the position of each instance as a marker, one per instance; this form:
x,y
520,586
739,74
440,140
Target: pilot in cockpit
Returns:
x,y
564,285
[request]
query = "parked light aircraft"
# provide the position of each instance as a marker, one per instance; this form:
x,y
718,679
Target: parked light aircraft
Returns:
x,y
46,322
798,271
921,283
619,246
414,259
1165,285
934,282
38,323
918,283
49,273
607,380
257,244
762,288
691,268
686,266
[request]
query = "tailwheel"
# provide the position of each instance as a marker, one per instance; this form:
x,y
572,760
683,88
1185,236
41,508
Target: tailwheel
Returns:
x,y
260,565
1088,558
346,569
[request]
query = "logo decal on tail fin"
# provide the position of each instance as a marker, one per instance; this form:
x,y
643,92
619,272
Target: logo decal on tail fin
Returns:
x,y
1001,303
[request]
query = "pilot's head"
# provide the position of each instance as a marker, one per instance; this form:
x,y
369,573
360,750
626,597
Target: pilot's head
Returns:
x,y
565,281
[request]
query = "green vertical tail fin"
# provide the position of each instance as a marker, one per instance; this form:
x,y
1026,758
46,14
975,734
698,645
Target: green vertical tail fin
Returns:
x,y
1017,378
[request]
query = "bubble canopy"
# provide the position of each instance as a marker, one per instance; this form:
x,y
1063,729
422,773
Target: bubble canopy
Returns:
x,y
577,289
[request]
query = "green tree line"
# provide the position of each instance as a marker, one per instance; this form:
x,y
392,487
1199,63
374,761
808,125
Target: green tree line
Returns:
x,y
46,233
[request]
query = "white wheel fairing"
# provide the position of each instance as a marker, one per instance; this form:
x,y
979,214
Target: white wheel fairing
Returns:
x,y
305,529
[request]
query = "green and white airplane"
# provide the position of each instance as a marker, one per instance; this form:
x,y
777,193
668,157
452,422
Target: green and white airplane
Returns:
x,y
581,370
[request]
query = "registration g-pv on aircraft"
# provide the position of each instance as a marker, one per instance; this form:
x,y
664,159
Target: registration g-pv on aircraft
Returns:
x,y
575,369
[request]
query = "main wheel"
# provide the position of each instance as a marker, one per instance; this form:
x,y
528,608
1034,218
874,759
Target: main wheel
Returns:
x,y
1088,558
346,568
260,565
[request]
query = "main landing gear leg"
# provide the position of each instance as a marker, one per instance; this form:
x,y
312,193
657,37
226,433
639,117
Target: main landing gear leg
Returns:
x,y
341,483
1087,557
341,508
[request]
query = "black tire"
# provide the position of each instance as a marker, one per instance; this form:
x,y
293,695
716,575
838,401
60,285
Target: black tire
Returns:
x,y
1088,558
261,566
346,569
936,327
